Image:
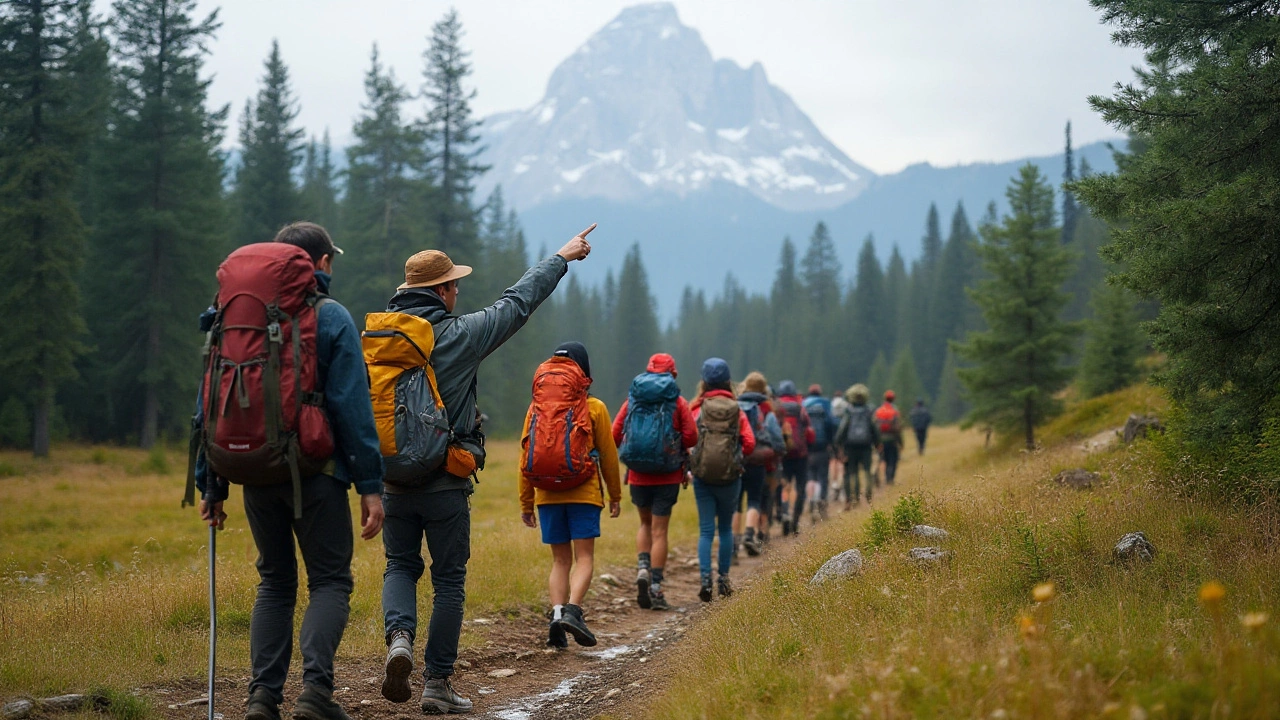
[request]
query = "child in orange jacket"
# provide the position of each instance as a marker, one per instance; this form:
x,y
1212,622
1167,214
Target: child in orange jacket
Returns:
x,y
552,481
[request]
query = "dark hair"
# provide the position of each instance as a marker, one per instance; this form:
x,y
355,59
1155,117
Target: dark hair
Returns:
x,y
309,236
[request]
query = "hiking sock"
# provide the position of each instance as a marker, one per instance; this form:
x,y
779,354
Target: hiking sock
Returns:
x,y
655,577
557,612
643,560
751,535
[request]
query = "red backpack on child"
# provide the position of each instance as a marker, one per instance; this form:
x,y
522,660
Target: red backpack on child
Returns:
x,y
261,405
559,449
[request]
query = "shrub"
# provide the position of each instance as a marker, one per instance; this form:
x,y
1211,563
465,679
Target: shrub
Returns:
x,y
908,512
879,529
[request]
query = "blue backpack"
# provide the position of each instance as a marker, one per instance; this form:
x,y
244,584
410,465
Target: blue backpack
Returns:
x,y
650,442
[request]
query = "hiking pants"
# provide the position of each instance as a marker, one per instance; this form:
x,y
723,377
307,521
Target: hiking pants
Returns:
x,y
716,504
444,518
325,537
858,458
753,482
921,434
819,469
890,452
795,471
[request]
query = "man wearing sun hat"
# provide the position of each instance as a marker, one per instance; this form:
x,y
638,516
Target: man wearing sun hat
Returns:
x,y
438,508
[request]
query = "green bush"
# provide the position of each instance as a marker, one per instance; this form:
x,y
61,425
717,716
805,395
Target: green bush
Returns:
x,y
879,529
908,512
1242,467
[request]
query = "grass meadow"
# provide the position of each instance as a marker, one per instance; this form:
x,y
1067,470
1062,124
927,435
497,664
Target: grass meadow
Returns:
x,y
967,639
103,574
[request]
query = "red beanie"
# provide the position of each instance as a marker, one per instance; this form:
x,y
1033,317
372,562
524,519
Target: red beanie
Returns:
x,y
662,363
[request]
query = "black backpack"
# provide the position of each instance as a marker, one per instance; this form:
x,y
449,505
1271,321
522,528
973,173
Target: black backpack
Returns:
x,y
858,426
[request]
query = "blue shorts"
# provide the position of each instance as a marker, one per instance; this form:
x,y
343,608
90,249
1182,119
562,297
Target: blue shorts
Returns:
x,y
569,521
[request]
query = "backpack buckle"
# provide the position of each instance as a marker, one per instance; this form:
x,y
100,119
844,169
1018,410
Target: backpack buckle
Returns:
x,y
273,332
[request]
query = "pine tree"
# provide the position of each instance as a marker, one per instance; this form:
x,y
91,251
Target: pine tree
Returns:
x,y
44,125
820,272
879,377
894,331
1018,365
266,197
905,381
920,326
319,196
380,217
788,349
451,134
951,306
1113,344
634,328
1069,209
950,404
866,314
160,227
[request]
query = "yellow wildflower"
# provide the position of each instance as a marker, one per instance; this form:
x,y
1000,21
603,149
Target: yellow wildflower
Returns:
x,y
1212,593
1044,592
1254,620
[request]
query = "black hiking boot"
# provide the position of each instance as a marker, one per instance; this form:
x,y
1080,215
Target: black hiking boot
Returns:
x,y
642,588
705,593
556,639
657,599
261,706
395,678
316,703
439,698
723,588
751,544
571,622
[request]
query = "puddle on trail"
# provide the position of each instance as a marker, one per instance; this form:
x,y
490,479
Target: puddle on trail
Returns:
x,y
611,653
524,708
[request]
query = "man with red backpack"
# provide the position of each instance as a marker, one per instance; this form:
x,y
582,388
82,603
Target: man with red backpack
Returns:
x,y
795,465
436,507
566,446
889,424
289,417
654,430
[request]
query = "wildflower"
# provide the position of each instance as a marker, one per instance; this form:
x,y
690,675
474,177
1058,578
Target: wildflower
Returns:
x,y
1044,592
1254,620
1027,627
1212,593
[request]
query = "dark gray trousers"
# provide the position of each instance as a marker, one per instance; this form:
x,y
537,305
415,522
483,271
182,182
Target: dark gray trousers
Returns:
x,y
444,518
325,537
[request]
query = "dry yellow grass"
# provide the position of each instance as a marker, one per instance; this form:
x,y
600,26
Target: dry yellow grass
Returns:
x,y
103,575
968,639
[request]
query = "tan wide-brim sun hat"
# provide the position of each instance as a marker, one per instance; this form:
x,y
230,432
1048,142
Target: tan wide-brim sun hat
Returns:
x,y
430,268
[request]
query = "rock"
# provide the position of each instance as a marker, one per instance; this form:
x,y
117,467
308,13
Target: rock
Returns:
x,y
1077,478
502,673
1137,426
608,579
464,664
613,693
17,710
1134,546
930,532
1101,441
846,564
928,555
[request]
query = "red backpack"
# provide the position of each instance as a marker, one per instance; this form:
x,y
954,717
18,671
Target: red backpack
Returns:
x,y
888,420
263,421
558,449
794,416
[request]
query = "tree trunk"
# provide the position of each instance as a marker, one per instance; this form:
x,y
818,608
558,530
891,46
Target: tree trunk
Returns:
x,y
1027,422
40,424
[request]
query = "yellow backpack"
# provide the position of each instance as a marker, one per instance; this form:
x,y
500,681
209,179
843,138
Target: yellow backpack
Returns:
x,y
413,425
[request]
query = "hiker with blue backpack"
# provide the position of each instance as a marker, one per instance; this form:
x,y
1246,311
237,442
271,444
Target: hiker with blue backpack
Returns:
x,y
565,449
725,438
822,419
855,439
654,431
753,399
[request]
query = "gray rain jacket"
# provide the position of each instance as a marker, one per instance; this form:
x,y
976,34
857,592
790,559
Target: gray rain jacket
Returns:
x,y
463,341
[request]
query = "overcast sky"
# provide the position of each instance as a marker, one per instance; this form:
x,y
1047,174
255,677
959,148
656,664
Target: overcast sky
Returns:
x,y
892,82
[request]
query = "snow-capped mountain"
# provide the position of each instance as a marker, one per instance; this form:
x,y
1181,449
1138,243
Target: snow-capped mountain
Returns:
x,y
642,110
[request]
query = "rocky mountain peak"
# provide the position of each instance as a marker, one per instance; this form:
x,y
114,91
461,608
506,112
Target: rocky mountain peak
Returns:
x,y
642,109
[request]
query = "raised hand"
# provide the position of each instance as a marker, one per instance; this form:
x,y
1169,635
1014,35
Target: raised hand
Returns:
x,y
577,248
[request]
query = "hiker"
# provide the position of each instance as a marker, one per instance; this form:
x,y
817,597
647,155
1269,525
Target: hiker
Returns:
x,y
565,448
654,430
716,465
334,447
437,505
822,420
920,420
855,439
835,468
889,424
752,526
795,465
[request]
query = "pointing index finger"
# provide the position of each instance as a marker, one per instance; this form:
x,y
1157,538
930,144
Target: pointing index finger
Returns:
x,y
587,232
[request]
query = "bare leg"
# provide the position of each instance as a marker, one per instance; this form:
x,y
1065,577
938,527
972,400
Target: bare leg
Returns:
x,y
658,555
644,536
584,553
561,561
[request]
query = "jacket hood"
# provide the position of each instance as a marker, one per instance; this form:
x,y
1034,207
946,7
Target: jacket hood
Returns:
x,y
419,301
322,281
752,397
717,393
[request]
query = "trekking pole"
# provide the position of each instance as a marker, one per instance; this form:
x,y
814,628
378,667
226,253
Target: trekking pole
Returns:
x,y
213,609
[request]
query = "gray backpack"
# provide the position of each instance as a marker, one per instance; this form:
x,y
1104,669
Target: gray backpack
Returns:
x,y
717,458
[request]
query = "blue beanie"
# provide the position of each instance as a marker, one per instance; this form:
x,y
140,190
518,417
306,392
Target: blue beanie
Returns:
x,y
715,371
786,387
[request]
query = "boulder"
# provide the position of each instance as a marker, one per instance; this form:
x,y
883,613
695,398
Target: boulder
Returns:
x,y
846,564
1137,426
1134,546
1077,478
928,555
929,531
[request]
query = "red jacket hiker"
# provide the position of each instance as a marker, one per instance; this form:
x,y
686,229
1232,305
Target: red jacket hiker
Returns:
x,y
682,420
746,435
